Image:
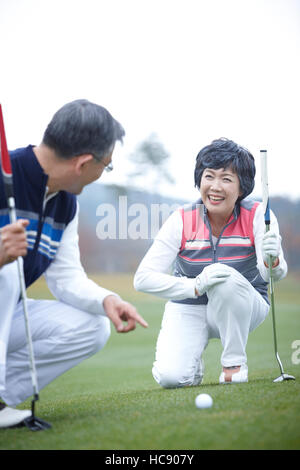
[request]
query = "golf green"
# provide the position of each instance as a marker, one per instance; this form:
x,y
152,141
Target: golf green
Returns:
x,y
112,402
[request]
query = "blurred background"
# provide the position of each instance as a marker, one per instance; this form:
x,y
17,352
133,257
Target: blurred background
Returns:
x,y
177,74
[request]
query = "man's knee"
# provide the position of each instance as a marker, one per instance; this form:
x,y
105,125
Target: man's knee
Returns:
x,y
9,281
100,335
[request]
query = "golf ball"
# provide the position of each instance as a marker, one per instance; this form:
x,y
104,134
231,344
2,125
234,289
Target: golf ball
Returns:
x,y
203,401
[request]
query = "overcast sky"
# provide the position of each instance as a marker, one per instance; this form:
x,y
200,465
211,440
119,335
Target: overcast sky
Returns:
x,y
188,70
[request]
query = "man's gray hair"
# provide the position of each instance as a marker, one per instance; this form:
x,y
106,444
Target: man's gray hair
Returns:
x,y
82,127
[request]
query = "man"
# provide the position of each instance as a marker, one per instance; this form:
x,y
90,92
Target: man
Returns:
x,y
76,148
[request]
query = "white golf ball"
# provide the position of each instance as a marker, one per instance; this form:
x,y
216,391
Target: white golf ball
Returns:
x,y
203,401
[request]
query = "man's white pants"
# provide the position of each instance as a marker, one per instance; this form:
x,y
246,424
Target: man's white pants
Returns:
x,y
62,337
234,309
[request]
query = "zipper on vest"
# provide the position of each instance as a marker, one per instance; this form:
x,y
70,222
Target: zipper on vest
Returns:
x,y
214,246
219,238
42,218
214,257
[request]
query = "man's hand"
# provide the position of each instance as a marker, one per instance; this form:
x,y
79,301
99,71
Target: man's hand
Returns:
x,y
13,242
118,311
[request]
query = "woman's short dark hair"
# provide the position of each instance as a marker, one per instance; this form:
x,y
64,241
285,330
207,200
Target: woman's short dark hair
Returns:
x,y
224,153
82,127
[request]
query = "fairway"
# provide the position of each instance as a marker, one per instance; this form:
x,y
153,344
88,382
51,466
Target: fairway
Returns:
x,y
112,402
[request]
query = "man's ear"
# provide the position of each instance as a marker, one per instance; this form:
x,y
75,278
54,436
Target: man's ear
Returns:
x,y
80,161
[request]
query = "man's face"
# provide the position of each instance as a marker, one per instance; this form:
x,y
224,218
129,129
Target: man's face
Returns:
x,y
90,171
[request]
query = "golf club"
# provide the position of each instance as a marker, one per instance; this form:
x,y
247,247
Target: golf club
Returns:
x,y
32,422
266,206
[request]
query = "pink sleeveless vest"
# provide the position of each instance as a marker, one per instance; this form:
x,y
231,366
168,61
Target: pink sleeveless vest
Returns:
x,y
234,247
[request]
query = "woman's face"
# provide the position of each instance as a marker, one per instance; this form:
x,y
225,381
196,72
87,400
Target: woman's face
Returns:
x,y
220,190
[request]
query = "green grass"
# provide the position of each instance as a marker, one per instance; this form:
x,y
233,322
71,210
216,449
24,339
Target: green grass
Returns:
x,y
112,402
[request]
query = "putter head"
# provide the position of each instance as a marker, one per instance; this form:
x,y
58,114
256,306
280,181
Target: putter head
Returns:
x,y
36,424
283,377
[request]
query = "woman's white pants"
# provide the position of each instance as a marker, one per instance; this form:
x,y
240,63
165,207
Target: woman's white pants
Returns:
x,y
62,337
234,309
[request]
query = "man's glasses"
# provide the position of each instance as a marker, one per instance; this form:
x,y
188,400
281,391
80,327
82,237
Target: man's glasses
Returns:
x,y
109,167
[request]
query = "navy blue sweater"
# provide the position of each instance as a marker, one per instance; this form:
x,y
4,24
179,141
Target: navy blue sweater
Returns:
x,y
47,223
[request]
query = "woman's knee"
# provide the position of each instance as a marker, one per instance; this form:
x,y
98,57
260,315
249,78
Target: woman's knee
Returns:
x,y
173,378
227,288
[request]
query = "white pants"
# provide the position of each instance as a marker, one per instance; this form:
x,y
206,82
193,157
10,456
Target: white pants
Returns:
x,y
234,309
62,337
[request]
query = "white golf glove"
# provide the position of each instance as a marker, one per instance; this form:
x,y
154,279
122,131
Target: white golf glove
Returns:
x,y
271,245
210,276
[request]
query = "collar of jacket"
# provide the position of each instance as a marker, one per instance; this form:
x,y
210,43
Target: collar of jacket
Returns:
x,y
33,170
233,217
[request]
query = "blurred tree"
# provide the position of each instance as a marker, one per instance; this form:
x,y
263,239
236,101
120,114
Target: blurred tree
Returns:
x,y
149,161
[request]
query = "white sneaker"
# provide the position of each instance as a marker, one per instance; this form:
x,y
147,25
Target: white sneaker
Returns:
x,y
231,376
11,417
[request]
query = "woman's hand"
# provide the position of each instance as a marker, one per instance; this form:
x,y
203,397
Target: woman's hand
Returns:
x,y
210,276
271,247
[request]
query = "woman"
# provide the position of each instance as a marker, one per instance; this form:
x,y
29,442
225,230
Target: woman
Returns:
x,y
218,253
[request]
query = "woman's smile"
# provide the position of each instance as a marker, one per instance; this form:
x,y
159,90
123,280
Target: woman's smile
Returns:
x,y
220,189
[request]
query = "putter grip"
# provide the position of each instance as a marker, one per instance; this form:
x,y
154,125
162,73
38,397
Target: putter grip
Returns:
x,y
5,161
265,187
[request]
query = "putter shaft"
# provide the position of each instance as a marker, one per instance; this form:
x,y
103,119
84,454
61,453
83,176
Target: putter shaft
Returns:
x,y
266,204
13,218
